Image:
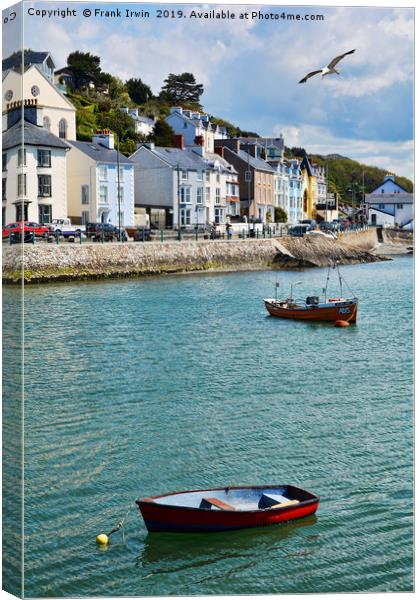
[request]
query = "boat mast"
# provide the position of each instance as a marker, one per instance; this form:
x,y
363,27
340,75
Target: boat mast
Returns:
x,y
326,284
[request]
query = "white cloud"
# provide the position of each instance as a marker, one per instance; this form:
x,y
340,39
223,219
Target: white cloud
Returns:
x,y
396,157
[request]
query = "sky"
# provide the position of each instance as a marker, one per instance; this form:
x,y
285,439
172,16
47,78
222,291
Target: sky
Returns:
x,y
250,68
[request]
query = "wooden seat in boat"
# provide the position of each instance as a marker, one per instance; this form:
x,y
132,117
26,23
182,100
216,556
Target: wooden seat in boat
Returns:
x,y
282,504
209,502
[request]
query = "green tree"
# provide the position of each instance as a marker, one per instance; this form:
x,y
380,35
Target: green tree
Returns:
x,y
118,122
139,92
280,215
181,89
84,65
163,134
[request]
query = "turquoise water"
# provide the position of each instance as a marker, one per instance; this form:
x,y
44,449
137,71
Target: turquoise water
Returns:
x,y
139,387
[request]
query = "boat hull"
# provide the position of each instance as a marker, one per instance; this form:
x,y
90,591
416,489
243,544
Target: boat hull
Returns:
x,y
344,311
166,518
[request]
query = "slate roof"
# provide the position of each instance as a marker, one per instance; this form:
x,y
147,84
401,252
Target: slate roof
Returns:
x,y
100,153
257,163
306,164
33,135
30,58
397,198
185,159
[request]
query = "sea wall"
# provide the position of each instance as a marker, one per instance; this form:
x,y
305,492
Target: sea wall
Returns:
x,y
49,262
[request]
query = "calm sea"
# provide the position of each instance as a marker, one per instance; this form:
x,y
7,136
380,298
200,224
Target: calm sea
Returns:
x,y
140,387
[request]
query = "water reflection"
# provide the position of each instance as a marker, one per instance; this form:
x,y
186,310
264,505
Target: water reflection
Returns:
x,y
172,551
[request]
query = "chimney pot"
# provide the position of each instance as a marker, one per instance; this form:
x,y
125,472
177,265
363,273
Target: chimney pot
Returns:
x,y
179,141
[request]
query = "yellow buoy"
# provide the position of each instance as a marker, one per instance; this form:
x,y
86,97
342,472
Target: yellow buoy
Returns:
x,y
102,539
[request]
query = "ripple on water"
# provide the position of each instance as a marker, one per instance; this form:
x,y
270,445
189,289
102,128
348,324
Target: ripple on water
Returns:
x,y
162,384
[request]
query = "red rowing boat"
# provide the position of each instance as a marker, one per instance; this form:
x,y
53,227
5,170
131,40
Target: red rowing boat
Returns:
x,y
222,509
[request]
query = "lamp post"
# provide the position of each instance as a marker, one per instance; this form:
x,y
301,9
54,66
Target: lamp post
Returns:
x,y
118,188
178,195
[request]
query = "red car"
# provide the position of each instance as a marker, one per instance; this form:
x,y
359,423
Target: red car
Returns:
x,y
26,227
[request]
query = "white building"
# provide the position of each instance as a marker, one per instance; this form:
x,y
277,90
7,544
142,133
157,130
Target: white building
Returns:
x,y
188,186
94,171
53,110
390,204
34,174
143,125
195,127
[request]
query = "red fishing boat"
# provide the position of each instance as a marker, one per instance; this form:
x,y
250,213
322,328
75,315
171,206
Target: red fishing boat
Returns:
x,y
313,308
222,509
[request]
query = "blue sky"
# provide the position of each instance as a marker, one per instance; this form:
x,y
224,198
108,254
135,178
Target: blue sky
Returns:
x,y
250,69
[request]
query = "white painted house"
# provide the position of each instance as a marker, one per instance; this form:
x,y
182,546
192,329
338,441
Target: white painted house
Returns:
x,y
34,174
143,125
53,110
191,187
100,182
390,204
196,128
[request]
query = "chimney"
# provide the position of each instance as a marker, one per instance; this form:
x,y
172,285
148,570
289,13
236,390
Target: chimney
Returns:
x,y
220,150
178,141
30,112
105,137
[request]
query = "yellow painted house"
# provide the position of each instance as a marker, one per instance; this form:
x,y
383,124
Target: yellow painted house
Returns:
x,y
309,189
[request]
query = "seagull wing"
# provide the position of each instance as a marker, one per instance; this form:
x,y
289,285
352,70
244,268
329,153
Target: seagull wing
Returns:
x,y
337,59
311,74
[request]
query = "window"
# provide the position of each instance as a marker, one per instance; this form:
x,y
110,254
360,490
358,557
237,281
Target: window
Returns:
x,y
184,175
217,196
62,129
185,216
400,206
85,194
207,176
218,216
382,206
22,211
200,175
185,195
44,158
4,161
3,189
121,174
218,177
103,172
120,193
21,157
85,217
47,123
44,185
120,218
21,185
207,194
44,213
103,194
200,195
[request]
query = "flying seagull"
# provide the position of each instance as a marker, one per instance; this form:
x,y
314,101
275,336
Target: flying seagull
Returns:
x,y
329,69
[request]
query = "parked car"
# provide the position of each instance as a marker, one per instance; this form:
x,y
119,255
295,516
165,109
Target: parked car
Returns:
x,y
101,231
65,228
299,230
311,222
142,234
25,227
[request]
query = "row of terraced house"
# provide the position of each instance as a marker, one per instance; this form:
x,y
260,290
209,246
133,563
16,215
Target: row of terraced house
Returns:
x,y
205,178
